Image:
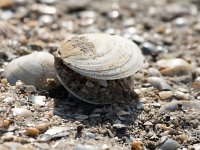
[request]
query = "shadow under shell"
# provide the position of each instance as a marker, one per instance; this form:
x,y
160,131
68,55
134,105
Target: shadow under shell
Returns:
x,y
90,90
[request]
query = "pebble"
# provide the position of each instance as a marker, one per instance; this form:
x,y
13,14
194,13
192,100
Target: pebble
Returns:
x,y
174,66
195,147
196,85
156,105
44,9
148,123
119,126
38,100
55,130
6,14
181,96
22,112
6,3
9,100
137,39
84,147
180,22
15,146
165,95
30,89
169,144
153,72
149,48
159,83
122,113
137,145
46,20
48,1
81,117
177,105
129,22
90,135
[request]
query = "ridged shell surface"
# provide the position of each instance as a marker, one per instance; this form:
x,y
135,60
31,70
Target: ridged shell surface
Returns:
x,y
101,56
32,69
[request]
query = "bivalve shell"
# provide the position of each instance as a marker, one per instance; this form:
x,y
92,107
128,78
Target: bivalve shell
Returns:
x,y
101,56
34,69
96,67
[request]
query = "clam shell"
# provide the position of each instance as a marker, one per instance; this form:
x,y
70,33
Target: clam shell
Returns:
x,y
101,56
34,69
96,68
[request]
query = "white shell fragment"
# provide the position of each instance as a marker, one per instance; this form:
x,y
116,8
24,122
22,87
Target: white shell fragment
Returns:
x,y
33,69
101,56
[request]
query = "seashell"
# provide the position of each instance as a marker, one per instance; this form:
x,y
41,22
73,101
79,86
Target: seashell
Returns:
x,y
33,69
174,66
97,67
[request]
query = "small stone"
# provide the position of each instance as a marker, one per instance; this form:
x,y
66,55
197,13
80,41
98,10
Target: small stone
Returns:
x,y
174,66
90,136
22,112
9,100
6,15
38,100
149,49
180,22
137,39
46,20
84,147
139,105
44,9
196,85
137,145
122,113
181,96
156,105
55,130
159,83
16,145
180,105
113,14
32,132
37,45
153,72
169,144
48,1
119,126
4,81
165,95
30,89
105,147
81,117
6,3
129,22
148,123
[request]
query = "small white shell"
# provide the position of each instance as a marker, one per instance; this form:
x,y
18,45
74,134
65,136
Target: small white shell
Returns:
x,y
34,69
101,56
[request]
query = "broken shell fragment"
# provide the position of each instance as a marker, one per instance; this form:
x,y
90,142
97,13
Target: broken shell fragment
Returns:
x,y
33,69
105,62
